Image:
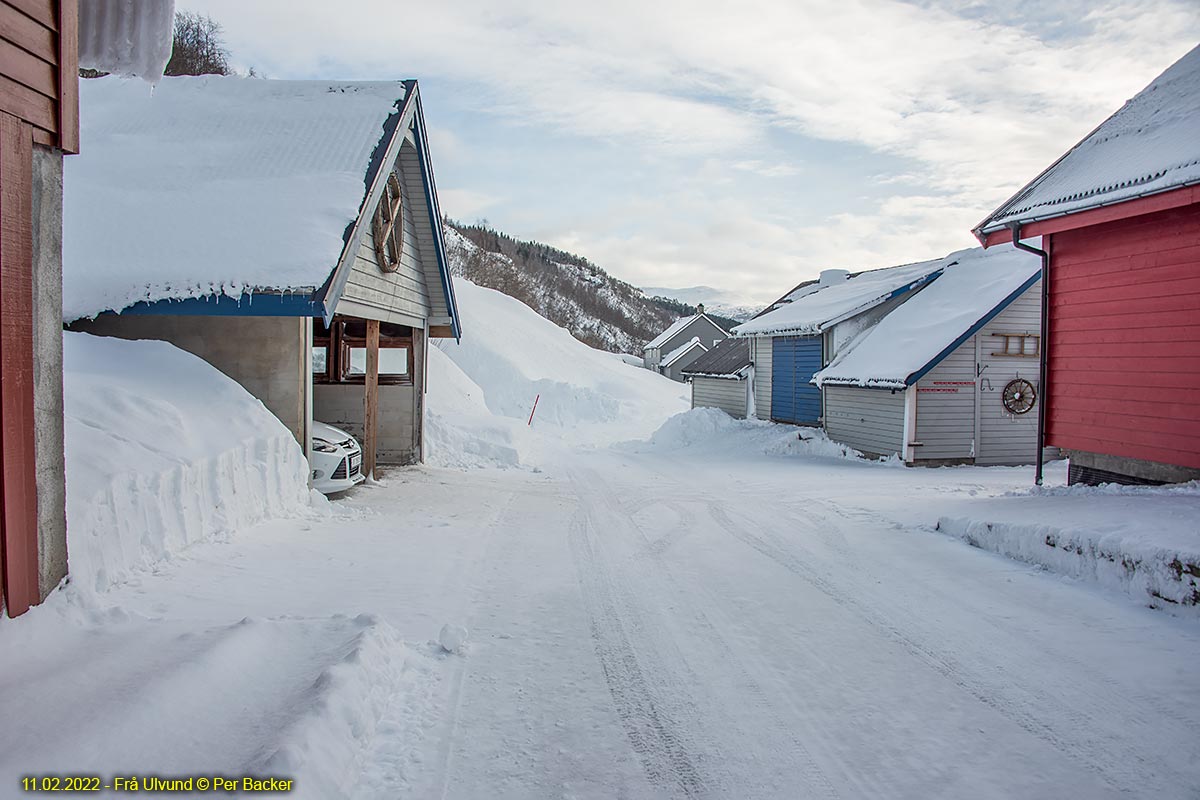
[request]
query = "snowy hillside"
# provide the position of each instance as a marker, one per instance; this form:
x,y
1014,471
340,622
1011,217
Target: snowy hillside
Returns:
x,y
483,389
716,301
566,289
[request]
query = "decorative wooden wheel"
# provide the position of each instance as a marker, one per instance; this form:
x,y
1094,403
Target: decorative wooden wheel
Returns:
x,y
1018,396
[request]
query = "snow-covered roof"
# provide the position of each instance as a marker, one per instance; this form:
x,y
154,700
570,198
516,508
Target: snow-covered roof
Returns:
x,y
677,326
215,185
729,358
811,310
126,38
974,286
1151,145
679,352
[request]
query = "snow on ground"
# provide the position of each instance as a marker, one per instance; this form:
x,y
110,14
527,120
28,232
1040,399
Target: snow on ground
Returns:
x,y
584,396
162,451
1144,541
724,609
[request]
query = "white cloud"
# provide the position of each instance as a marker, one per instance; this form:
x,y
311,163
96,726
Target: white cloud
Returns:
x,y
972,99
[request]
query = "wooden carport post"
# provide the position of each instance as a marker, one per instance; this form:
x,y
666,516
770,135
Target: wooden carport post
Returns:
x,y
371,415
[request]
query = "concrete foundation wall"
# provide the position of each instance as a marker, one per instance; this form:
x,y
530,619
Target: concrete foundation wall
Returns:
x,y
1096,468
47,367
269,356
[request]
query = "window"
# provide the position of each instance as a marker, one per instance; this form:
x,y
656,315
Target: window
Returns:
x,y
340,352
1020,345
388,225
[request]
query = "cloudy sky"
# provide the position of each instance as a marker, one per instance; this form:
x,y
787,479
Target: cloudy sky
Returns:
x,y
744,145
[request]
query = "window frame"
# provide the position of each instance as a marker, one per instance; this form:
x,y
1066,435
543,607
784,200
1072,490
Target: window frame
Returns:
x,y
387,225
338,343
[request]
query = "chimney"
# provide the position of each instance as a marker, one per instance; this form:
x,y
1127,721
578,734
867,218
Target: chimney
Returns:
x,y
831,277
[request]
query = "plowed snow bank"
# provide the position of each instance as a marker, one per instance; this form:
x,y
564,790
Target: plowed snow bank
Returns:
x,y
162,451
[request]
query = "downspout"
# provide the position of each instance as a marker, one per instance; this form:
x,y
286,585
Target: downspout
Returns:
x,y
1045,343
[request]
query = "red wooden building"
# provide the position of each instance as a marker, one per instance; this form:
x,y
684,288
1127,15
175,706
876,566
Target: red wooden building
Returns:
x,y
1119,221
39,123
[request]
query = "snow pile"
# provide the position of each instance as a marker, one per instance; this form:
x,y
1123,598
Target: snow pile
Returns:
x,y
1143,541
326,747
453,638
285,697
584,396
973,284
460,431
278,168
162,451
710,429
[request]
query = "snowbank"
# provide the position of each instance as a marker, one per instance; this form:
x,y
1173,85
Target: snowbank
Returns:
x,y
298,698
325,748
710,429
460,431
163,450
1143,541
493,377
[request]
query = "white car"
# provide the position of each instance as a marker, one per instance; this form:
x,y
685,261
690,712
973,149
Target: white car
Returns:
x,y
336,459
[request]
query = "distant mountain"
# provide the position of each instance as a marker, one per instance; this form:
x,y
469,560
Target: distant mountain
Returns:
x,y
565,288
715,301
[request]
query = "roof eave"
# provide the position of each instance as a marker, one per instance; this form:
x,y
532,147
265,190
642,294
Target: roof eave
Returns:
x,y
1160,199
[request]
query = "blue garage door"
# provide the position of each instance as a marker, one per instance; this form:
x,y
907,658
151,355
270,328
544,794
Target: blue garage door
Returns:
x,y
794,360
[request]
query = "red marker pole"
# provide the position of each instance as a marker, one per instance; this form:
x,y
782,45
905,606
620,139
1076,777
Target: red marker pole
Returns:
x,y
535,402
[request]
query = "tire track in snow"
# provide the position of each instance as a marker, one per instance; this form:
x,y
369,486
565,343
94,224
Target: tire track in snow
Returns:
x,y
652,731
1135,702
1092,753
816,783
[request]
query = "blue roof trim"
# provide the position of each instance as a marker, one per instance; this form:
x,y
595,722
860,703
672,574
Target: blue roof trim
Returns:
x,y
974,329
435,217
248,305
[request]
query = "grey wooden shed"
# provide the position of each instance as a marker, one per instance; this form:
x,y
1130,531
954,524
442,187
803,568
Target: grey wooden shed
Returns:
x,y
663,353
810,326
951,376
721,378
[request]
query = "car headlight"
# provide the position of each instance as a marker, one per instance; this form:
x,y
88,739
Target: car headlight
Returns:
x,y
322,446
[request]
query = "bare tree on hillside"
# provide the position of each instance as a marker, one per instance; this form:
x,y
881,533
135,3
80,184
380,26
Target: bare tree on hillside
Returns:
x,y
199,46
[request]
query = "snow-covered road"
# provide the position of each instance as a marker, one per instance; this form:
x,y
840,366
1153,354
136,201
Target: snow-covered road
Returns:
x,y
683,623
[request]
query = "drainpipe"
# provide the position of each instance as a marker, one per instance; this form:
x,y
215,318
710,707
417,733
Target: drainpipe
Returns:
x,y
1045,343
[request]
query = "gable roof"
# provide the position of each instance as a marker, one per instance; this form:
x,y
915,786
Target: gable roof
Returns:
x,y
813,308
1150,145
729,358
225,187
678,325
681,351
975,286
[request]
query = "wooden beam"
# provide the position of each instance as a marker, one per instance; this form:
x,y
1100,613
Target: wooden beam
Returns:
x,y
18,487
371,415
441,332
68,75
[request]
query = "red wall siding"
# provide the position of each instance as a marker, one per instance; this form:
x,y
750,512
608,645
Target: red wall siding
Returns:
x,y
1124,354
